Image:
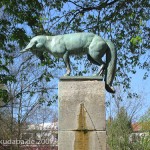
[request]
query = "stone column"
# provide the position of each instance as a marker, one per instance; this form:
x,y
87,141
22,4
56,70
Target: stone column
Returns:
x,y
82,123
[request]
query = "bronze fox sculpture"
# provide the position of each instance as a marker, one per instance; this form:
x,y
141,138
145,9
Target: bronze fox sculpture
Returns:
x,y
76,44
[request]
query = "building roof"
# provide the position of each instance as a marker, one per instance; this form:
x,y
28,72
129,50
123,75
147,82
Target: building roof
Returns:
x,y
141,126
43,126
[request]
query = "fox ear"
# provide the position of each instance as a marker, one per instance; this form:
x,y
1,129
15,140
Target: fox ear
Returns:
x,y
39,45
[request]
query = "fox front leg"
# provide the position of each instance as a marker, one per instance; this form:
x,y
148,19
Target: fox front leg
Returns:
x,y
67,63
102,69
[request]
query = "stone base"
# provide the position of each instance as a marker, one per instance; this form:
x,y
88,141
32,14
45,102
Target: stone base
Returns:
x,y
81,114
76,140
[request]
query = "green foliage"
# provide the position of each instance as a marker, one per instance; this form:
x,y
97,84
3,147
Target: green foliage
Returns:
x,y
118,130
123,22
14,16
121,136
143,143
136,40
4,95
5,122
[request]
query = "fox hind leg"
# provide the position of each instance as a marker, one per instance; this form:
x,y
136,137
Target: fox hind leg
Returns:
x,y
96,52
102,66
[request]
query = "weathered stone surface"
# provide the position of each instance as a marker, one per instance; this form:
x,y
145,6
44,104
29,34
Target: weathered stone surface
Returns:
x,y
76,140
81,78
81,114
81,96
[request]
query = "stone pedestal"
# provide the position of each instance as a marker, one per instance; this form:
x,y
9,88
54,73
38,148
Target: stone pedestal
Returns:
x,y
81,114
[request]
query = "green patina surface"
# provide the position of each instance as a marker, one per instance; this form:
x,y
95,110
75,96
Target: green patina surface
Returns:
x,y
79,44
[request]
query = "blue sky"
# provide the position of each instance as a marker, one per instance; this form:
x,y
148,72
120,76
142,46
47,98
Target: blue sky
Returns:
x,y
142,87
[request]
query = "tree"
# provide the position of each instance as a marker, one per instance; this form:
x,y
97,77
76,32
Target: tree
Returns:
x,y
25,94
124,22
41,127
12,35
123,110
133,103
146,116
119,130
144,123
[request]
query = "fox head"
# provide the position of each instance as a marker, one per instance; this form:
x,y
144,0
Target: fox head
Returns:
x,y
37,41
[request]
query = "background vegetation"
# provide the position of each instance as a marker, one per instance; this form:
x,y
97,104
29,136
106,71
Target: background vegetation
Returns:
x,y
30,83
